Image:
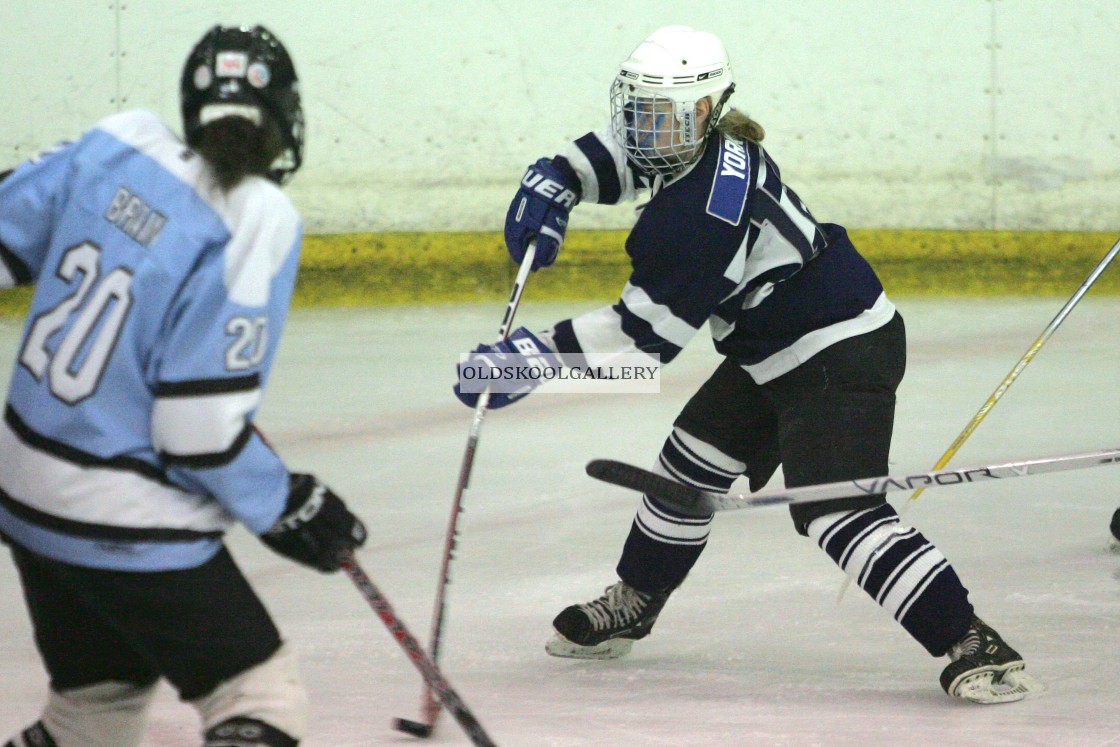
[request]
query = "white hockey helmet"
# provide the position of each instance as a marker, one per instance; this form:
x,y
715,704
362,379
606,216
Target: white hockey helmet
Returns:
x,y
654,97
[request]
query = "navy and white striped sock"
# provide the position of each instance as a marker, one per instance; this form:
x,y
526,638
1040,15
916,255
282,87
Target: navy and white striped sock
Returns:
x,y
33,736
663,544
901,570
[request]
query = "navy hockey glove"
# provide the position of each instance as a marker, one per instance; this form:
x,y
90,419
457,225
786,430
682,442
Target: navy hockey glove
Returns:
x,y
511,368
539,212
316,527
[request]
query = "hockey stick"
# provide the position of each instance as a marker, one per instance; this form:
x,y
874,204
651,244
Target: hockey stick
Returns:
x,y
1007,381
1026,359
430,707
694,502
428,669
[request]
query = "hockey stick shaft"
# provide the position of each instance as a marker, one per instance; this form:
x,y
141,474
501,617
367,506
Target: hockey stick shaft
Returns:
x,y
693,501
430,707
1024,361
428,669
1008,380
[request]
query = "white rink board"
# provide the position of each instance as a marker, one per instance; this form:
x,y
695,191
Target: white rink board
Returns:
x,y
422,115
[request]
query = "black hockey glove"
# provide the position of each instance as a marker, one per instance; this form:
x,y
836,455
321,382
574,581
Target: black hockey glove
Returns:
x,y
316,528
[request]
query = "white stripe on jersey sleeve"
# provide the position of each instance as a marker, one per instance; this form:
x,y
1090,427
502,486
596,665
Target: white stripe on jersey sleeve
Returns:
x,y
806,225
589,183
601,332
770,250
736,268
586,172
201,424
664,322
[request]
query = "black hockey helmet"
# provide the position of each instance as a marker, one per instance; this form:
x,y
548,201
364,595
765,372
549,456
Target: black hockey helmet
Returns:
x,y
237,71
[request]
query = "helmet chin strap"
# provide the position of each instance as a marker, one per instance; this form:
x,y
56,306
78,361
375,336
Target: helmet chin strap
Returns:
x,y
713,115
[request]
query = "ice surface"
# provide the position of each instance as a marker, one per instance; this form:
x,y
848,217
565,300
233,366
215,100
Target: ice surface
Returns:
x,y
753,649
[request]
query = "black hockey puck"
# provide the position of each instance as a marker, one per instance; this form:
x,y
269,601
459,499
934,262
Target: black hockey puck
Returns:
x,y
415,728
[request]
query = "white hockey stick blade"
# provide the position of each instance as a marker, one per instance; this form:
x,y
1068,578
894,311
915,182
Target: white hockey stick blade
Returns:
x,y
690,500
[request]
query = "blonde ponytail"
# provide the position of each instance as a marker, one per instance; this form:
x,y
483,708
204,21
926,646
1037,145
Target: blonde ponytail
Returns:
x,y
740,125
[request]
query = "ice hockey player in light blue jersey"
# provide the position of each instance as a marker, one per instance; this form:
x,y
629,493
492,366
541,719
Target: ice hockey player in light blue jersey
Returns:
x,y
163,275
158,307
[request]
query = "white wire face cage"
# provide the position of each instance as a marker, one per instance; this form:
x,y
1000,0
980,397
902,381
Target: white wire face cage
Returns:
x,y
659,134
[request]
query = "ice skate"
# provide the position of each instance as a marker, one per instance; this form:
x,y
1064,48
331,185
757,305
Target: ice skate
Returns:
x,y
985,669
607,627
1114,527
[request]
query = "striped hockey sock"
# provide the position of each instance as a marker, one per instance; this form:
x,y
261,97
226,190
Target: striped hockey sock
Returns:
x,y
663,544
34,736
901,570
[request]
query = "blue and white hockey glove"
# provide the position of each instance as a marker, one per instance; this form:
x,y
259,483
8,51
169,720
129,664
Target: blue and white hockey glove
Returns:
x,y
510,368
539,212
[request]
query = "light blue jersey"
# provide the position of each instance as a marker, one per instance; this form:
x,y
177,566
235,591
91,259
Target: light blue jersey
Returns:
x,y
127,439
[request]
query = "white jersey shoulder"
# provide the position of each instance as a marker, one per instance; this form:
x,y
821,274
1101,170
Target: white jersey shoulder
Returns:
x,y
264,231
263,224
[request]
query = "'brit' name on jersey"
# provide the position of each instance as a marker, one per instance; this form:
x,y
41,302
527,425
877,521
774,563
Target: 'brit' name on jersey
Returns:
x,y
135,217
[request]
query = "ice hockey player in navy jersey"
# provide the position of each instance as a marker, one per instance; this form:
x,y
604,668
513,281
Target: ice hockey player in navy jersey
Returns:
x,y
813,353
163,275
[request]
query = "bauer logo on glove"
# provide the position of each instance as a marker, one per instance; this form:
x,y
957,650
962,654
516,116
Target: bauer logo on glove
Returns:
x,y
539,211
508,369
550,189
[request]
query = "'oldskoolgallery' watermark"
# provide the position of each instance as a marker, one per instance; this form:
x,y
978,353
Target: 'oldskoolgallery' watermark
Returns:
x,y
624,373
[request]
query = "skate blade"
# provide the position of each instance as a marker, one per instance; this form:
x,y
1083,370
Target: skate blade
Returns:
x,y
560,646
992,685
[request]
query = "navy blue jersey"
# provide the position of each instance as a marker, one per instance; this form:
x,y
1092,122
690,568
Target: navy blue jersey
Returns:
x,y
127,438
728,243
